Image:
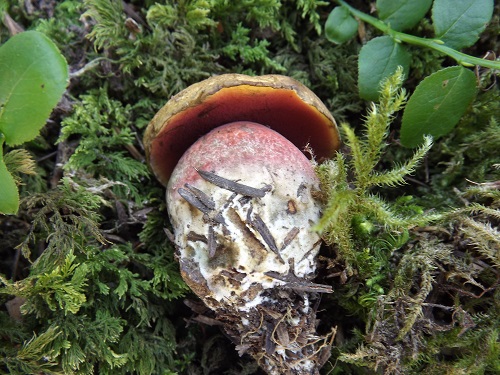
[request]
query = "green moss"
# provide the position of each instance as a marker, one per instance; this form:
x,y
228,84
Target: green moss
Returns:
x,y
96,304
105,128
414,267
418,289
351,206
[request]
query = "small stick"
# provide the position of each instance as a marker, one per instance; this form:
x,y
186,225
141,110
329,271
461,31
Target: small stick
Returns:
x,y
270,345
214,216
297,284
212,244
170,235
194,237
261,227
289,237
193,200
312,248
202,197
229,200
235,187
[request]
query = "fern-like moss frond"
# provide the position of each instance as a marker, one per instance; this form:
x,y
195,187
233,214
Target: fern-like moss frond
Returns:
x,y
36,355
356,146
336,212
19,162
396,176
485,237
350,204
379,118
110,25
69,215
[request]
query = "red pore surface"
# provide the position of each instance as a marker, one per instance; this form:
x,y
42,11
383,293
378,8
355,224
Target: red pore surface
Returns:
x,y
280,109
240,146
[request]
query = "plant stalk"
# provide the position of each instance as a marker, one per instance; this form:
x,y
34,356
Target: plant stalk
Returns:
x,y
435,44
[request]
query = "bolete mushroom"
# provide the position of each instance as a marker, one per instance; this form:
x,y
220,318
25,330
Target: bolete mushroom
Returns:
x,y
240,196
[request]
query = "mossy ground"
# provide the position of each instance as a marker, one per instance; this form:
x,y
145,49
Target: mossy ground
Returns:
x,y
415,266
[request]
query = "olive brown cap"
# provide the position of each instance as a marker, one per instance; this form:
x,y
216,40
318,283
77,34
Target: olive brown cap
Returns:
x,y
279,102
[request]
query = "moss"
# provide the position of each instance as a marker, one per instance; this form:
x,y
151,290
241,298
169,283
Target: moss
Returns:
x,y
414,267
411,274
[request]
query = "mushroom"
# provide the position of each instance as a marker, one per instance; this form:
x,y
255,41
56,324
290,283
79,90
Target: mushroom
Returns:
x,y
240,197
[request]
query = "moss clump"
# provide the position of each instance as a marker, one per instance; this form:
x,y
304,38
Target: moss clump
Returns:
x,y
423,283
93,304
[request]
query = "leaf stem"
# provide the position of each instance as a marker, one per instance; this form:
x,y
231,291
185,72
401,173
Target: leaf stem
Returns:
x,y
434,44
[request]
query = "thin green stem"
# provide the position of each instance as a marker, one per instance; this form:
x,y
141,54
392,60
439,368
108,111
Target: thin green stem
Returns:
x,y
434,44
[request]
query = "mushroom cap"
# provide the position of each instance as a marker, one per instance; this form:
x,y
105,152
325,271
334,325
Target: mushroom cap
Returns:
x,y
280,102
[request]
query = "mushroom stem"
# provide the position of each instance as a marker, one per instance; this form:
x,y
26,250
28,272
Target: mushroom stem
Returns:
x,y
241,204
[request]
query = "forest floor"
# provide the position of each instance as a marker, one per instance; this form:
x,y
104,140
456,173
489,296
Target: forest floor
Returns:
x,y
88,278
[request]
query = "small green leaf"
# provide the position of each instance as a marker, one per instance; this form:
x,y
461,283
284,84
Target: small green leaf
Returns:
x,y
9,195
459,23
437,104
340,26
378,59
34,76
402,14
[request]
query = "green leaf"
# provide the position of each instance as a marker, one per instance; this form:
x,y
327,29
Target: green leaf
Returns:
x,y
34,76
378,59
459,23
437,104
9,196
340,26
402,14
